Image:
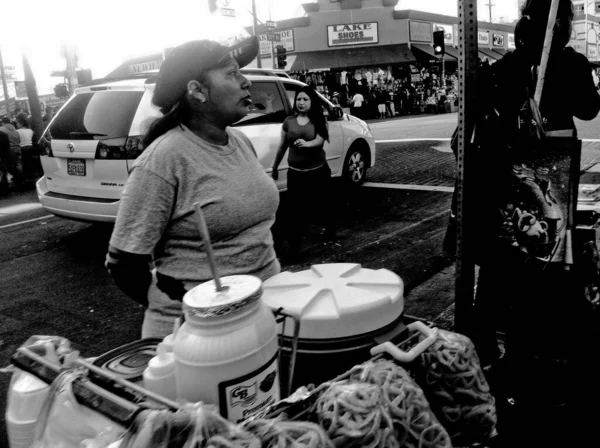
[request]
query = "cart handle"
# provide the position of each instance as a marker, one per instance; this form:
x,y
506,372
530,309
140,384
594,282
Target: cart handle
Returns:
x,y
409,356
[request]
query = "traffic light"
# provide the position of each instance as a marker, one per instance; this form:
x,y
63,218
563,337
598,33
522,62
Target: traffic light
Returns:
x,y
438,42
281,56
61,90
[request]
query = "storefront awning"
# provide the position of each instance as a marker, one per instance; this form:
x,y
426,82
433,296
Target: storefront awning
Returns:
x,y
501,51
421,50
352,57
451,51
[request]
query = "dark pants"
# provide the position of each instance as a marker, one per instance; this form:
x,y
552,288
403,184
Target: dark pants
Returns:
x,y
31,161
12,163
310,199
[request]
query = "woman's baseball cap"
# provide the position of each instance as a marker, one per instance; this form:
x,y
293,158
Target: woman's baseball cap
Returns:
x,y
187,61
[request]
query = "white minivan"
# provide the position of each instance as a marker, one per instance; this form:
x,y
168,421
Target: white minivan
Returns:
x,y
91,144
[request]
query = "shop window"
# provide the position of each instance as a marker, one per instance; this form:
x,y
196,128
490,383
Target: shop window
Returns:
x,y
267,105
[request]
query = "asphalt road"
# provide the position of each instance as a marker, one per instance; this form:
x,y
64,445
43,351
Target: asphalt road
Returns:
x,y
53,281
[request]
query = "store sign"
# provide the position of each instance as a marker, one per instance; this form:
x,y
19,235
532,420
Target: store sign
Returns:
x,y
286,38
510,37
20,89
483,38
592,52
498,40
420,31
448,32
352,34
145,66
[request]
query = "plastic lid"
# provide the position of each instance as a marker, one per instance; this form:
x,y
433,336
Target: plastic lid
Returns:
x,y
337,300
163,363
239,291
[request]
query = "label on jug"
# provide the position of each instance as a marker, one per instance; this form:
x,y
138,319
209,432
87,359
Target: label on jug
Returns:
x,y
247,395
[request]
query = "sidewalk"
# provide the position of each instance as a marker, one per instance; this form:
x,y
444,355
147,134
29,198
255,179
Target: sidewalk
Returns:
x,y
403,117
438,288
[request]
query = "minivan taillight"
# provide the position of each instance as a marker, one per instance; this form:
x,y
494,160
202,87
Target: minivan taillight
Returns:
x,y
45,145
130,151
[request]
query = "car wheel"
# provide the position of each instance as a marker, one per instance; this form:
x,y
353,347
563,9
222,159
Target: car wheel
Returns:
x,y
355,166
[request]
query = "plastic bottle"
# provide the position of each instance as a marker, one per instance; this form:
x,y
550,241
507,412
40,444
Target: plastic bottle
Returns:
x,y
226,351
159,375
169,340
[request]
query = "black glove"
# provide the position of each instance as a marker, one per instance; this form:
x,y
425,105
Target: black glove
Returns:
x,y
131,273
170,286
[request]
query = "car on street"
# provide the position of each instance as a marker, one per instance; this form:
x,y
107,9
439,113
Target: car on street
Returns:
x,y
91,144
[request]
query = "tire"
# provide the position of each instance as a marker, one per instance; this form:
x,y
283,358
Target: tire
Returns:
x,y
355,166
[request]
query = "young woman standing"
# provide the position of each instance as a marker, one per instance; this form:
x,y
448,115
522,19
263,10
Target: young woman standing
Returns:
x,y
309,175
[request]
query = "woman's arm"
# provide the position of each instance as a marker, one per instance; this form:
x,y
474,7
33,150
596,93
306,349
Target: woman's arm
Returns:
x,y
131,273
587,100
144,213
317,141
280,153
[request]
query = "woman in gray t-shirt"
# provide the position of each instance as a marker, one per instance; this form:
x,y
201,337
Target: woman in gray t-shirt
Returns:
x,y
192,155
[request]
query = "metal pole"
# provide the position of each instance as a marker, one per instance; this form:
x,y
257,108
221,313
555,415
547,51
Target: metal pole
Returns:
x,y
254,25
273,55
71,68
32,95
4,86
443,73
467,85
585,8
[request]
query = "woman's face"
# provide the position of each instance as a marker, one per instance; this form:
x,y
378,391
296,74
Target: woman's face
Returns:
x,y
303,102
228,97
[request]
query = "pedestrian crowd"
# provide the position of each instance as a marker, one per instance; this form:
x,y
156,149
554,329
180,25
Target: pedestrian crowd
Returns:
x,y
19,154
376,94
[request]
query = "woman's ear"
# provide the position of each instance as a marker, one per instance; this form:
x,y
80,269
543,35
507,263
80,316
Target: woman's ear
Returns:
x,y
196,90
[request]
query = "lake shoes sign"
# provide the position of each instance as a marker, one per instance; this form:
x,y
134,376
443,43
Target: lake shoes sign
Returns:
x,y
352,34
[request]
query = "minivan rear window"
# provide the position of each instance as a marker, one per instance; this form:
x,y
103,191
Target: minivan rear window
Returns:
x,y
96,116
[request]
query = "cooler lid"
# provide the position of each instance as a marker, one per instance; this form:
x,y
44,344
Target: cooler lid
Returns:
x,y
337,300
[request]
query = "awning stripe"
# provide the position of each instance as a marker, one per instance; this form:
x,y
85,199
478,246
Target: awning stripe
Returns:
x,y
362,56
428,50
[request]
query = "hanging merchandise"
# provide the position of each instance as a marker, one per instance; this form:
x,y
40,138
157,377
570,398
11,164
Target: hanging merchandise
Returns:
x,y
380,405
447,367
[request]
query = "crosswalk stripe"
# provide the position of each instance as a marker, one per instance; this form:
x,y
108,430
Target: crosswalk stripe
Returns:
x,y
410,187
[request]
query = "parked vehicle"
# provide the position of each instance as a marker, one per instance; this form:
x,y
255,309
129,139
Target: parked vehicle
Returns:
x,y
91,144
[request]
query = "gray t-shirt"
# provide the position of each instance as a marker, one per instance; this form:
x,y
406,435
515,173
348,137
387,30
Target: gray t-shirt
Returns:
x,y
157,215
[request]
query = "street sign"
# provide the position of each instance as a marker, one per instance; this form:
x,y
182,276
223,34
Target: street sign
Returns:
x,y
228,12
270,24
274,37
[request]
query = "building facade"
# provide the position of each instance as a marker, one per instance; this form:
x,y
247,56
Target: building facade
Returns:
x,y
356,33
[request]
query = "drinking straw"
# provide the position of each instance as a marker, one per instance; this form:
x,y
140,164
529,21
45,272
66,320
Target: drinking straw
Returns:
x,y
203,228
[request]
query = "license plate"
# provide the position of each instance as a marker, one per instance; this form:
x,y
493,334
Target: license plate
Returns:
x,y
76,167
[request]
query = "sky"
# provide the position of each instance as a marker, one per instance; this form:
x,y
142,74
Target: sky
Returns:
x,y
106,32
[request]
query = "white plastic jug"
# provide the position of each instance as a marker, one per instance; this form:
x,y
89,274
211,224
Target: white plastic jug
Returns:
x,y
226,351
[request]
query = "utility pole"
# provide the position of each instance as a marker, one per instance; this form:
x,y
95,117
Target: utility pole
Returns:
x,y
465,206
254,25
32,95
489,5
71,67
4,86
